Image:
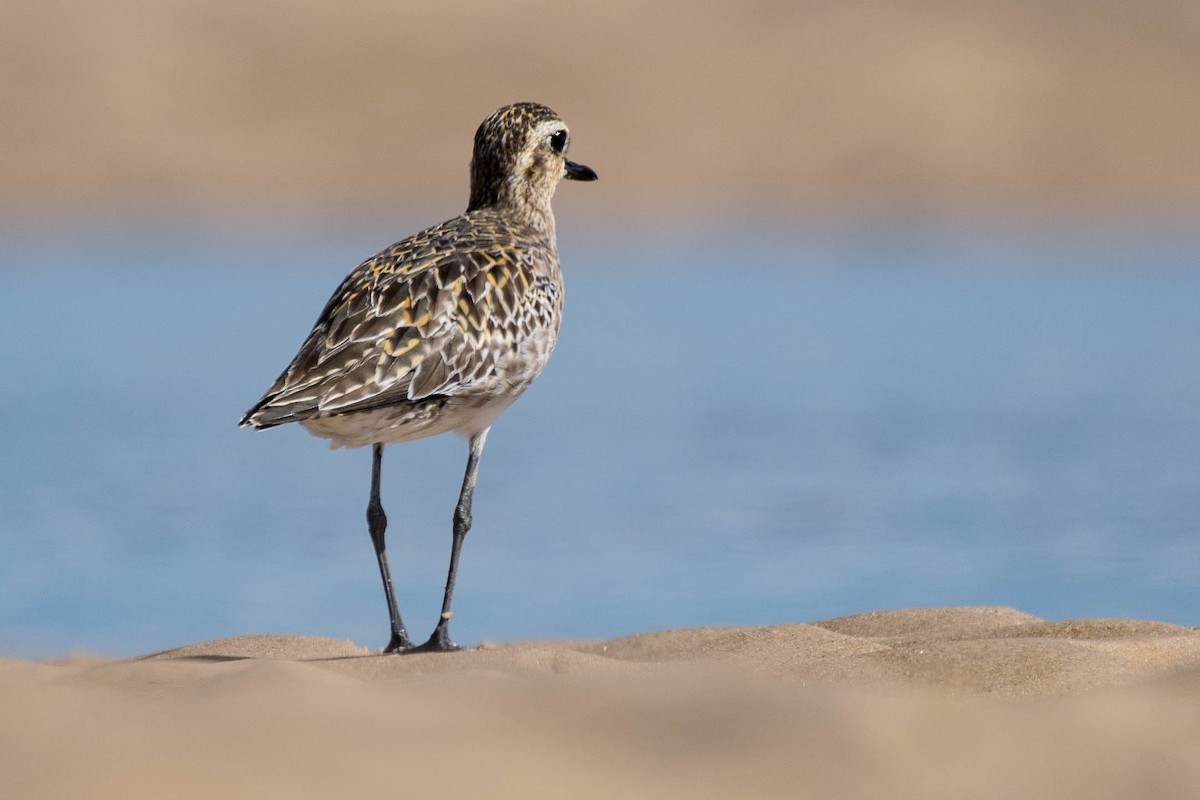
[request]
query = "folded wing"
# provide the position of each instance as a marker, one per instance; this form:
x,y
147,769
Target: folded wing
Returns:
x,y
390,337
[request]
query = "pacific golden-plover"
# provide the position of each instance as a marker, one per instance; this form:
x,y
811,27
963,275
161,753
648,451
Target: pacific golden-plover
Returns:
x,y
441,331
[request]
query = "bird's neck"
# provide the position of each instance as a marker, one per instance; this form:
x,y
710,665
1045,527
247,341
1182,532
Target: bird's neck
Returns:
x,y
510,202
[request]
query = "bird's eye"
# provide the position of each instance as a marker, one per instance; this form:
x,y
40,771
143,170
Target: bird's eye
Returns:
x,y
558,141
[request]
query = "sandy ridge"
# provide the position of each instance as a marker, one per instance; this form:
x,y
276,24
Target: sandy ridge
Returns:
x,y
951,702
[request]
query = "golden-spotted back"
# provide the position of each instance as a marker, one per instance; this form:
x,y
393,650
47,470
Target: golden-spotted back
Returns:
x,y
442,330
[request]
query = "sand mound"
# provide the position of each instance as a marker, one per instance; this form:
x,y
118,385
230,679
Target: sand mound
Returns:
x,y
949,702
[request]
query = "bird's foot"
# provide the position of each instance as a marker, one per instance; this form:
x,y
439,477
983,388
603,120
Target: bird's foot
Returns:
x,y
398,645
439,641
436,645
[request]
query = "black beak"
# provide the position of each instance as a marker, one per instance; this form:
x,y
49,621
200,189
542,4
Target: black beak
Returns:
x,y
578,172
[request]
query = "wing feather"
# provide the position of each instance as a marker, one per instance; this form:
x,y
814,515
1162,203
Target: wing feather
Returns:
x,y
402,334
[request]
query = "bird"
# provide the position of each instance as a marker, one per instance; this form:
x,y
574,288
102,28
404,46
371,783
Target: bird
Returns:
x,y
442,331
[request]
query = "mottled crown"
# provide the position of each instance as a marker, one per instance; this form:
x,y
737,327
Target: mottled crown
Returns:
x,y
511,164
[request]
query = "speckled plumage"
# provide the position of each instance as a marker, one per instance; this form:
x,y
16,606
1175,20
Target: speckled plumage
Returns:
x,y
445,329
442,330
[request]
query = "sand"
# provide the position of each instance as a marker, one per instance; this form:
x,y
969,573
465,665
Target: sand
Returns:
x,y
949,702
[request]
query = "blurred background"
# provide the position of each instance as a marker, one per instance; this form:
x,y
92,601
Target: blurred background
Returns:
x,y
874,305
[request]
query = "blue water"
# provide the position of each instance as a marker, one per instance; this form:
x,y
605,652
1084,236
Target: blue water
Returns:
x,y
729,433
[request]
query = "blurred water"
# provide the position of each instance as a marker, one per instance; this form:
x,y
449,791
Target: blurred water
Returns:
x,y
728,434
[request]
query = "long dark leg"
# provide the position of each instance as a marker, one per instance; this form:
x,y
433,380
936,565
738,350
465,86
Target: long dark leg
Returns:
x,y
440,642
377,524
